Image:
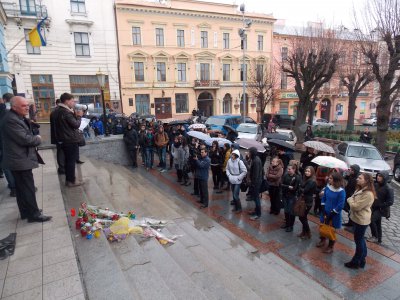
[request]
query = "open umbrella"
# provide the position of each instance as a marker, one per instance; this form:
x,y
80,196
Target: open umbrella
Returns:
x,y
330,162
277,136
319,146
248,143
197,126
198,135
221,141
281,144
229,128
179,122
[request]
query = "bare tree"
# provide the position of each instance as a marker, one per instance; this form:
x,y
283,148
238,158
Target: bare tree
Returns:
x,y
262,85
311,62
380,43
354,74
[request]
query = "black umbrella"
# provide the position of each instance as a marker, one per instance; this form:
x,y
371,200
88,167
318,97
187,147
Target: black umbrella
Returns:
x,y
229,128
178,122
281,144
277,136
248,143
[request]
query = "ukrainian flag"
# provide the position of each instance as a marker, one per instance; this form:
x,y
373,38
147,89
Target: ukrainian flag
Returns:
x,y
35,36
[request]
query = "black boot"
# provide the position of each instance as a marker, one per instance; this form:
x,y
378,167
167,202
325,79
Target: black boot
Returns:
x,y
286,224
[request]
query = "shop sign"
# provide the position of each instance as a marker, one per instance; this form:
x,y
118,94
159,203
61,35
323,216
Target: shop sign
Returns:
x,y
289,95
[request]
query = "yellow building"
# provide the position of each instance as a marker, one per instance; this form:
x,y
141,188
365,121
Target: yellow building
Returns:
x,y
180,55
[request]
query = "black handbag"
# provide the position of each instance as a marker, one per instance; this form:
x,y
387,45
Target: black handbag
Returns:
x,y
264,186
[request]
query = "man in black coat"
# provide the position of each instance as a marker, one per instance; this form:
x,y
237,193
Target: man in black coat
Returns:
x,y
366,136
67,134
350,188
60,153
255,178
131,140
20,157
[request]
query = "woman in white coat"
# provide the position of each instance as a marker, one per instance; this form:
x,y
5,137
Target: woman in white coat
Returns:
x,y
236,171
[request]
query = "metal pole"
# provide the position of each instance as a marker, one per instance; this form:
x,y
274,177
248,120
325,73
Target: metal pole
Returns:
x,y
104,112
244,69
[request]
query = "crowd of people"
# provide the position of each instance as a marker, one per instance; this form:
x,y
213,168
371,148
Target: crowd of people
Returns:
x,y
324,191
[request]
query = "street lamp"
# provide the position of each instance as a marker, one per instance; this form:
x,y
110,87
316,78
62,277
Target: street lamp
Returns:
x,y
101,78
242,34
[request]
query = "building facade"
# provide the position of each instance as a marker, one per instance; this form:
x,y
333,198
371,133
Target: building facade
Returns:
x,y
332,101
5,76
180,55
81,39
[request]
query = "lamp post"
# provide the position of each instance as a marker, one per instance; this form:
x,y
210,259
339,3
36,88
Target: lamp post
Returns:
x,y
101,78
242,33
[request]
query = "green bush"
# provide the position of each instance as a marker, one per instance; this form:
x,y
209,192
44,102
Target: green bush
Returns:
x,y
395,148
334,137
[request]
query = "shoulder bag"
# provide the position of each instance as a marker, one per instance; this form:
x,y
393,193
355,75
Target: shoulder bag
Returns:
x,y
299,207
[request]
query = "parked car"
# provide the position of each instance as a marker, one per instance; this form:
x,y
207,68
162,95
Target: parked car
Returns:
x,y
249,131
396,167
370,121
394,123
217,122
365,155
323,123
280,120
290,134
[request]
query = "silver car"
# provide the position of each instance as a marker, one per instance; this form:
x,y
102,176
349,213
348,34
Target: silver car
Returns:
x,y
249,131
365,155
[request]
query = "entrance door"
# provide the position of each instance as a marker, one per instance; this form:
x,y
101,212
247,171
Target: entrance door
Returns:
x,y
44,109
142,104
205,104
163,108
326,109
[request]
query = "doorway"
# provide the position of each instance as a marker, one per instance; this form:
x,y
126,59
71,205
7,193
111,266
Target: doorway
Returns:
x,y
205,104
163,108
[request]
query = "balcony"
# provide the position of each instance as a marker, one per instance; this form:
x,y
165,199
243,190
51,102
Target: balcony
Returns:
x,y
14,10
206,84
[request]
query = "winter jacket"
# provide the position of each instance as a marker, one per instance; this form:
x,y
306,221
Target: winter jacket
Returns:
x,y
333,202
351,183
236,171
18,143
148,139
360,207
306,159
142,135
308,189
161,139
226,159
256,172
67,126
131,139
384,196
181,156
290,181
202,167
216,157
274,174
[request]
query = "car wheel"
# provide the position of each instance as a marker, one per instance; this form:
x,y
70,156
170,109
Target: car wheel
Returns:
x,y
397,173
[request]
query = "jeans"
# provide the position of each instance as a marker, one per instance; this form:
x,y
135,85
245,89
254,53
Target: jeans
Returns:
x,y
361,245
216,175
235,188
376,224
10,179
203,189
288,202
71,152
162,154
255,195
304,220
149,157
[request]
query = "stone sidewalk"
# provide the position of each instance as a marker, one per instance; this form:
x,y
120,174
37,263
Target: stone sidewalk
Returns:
x,y
44,264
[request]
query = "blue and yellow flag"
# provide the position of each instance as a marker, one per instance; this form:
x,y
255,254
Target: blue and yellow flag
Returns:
x,y
35,36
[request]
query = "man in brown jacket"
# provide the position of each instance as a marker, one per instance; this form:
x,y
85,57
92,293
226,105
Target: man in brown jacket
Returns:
x,y
161,140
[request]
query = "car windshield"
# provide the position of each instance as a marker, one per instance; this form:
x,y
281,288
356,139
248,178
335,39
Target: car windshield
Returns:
x,y
285,134
215,121
246,129
363,152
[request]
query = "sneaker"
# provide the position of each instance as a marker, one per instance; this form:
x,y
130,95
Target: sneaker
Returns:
x,y
255,217
74,184
163,171
372,239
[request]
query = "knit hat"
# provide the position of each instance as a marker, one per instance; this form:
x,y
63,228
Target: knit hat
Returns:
x,y
236,152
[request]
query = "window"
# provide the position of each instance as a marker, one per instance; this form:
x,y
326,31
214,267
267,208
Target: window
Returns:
x,y
159,37
139,71
161,75
182,103
260,72
284,108
226,40
182,72
204,71
354,57
283,81
78,6
243,72
226,72
130,101
284,53
82,44
180,38
243,42
142,104
29,48
136,36
260,43
87,89
227,104
28,7
204,39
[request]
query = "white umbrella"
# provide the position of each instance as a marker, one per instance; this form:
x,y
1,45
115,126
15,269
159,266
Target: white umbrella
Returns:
x,y
197,126
319,146
198,135
330,162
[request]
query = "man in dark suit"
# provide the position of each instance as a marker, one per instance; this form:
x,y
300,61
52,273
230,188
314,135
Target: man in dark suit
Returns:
x,y
20,157
53,130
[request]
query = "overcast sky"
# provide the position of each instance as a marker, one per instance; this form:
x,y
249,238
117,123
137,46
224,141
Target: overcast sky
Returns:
x,y
299,12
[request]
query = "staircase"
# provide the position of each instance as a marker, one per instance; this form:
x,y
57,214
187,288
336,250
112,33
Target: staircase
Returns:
x,y
208,262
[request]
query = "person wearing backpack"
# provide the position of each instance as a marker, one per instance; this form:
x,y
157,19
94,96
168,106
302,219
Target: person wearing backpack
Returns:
x,y
161,140
381,206
236,171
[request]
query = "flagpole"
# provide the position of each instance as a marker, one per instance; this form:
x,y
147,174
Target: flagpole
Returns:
x,y
19,42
